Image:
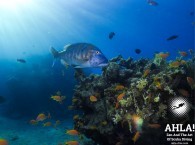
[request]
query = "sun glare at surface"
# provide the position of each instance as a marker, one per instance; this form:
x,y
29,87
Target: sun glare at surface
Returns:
x,y
13,5
34,25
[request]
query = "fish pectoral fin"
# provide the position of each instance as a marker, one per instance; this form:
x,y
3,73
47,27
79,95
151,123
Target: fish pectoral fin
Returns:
x,y
54,61
64,63
77,66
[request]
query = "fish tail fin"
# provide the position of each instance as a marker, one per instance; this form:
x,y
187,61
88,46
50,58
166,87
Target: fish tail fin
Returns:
x,y
54,61
54,52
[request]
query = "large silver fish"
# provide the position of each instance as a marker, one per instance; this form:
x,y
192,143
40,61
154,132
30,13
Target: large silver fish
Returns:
x,y
81,55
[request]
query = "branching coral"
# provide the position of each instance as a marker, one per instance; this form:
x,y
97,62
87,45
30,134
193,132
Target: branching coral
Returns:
x,y
167,88
141,84
126,102
117,118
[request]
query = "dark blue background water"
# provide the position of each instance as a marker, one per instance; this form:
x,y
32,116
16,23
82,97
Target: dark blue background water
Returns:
x,y
28,30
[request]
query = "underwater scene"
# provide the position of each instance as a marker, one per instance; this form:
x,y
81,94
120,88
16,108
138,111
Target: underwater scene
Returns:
x,y
97,72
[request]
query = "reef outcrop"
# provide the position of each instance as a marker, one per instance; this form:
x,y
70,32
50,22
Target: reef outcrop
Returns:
x,y
132,97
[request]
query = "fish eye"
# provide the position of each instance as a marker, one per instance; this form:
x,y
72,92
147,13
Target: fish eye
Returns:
x,y
97,52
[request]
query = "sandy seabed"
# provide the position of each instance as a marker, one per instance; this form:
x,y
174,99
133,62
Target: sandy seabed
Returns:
x,y
20,132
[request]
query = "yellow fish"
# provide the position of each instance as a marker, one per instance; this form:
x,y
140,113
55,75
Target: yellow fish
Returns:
x,y
120,97
183,53
33,122
3,142
41,117
58,98
146,73
93,98
72,142
175,64
119,87
47,124
72,132
155,125
163,55
136,136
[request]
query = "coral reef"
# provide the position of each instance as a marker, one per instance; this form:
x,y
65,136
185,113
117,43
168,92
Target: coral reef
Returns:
x,y
130,96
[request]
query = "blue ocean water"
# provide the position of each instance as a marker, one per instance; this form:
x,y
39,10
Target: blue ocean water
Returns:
x,y
28,28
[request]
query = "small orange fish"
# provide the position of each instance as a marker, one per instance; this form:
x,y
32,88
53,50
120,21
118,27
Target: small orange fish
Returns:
x,y
72,132
93,98
146,72
33,122
119,87
47,124
116,105
41,117
155,125
183,92
120,97
72,142
191,82
183,53
3,142
163,55
58,98
175,64
136,136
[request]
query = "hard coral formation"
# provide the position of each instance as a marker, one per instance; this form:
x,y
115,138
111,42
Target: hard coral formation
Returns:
x,y
141,84
125,95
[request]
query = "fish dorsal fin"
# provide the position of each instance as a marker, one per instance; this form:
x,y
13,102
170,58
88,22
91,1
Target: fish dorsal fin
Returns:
x,y
66,46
